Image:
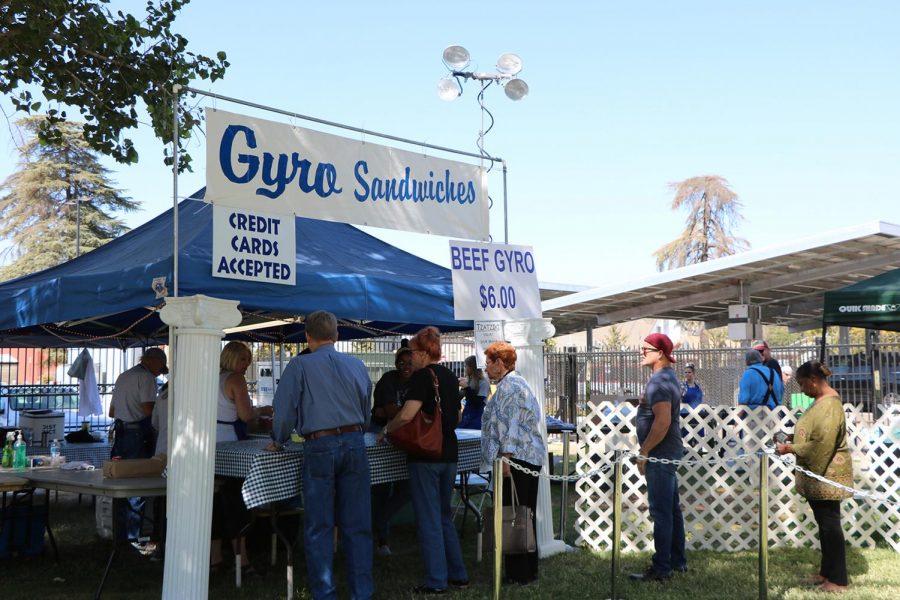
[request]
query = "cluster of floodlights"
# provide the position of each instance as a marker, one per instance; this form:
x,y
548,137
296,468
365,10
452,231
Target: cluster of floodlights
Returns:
x,y
456,58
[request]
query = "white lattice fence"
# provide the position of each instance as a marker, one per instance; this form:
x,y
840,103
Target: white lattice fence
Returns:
x,y
720,501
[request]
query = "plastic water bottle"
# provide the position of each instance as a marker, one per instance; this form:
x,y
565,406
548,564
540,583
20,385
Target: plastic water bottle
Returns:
x,y
54,452
19,459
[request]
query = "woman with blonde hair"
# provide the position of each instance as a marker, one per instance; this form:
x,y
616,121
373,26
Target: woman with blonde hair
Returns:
x,y
234,411
475,389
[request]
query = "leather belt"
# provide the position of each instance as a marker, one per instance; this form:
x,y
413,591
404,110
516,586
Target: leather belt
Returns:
x,y
314,435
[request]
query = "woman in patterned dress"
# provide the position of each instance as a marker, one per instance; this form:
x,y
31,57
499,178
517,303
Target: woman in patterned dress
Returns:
x,y
510,427
820,444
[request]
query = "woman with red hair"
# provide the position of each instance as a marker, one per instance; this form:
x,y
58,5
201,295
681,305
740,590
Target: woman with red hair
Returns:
x,y
431,480
510,428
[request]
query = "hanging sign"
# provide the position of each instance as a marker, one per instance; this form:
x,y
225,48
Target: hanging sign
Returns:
x,y
493,282
272,167
486,333
254,246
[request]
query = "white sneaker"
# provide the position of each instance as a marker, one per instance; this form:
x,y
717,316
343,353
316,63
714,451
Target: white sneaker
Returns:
x,y
384,550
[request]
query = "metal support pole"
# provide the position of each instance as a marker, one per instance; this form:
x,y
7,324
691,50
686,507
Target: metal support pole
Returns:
x,y
564,493
763,524
77,227
176,92
505,207
617,522
498,526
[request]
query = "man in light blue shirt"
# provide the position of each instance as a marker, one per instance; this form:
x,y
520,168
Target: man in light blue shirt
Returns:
x,y
324,396
760,384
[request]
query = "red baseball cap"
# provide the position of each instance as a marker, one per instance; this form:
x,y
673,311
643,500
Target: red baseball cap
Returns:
x,y
661,342
760,345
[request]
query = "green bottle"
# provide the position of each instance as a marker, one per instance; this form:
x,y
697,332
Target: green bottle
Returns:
x,y
19,458
8,451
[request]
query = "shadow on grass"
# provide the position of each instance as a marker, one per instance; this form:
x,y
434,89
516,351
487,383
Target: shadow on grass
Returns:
x,y
576,575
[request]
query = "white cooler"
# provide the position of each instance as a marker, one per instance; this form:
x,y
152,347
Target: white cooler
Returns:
x,y
39,421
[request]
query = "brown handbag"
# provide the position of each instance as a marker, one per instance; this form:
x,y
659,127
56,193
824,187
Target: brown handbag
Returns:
x,y
517,527
422,437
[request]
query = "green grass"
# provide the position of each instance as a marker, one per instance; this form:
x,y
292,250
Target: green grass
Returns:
x,y
875,573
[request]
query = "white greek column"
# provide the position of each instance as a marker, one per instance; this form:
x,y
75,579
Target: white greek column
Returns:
x,y
199,322
527,336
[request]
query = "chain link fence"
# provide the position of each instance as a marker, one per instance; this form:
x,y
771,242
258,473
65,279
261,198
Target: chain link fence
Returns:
x,y
865,376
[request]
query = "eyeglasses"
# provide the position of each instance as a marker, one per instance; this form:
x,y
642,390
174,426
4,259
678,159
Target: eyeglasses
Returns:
x,y
645,350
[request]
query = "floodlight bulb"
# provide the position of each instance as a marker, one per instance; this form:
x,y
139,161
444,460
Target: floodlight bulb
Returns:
x,y
509,63
456,57
448,89
515,89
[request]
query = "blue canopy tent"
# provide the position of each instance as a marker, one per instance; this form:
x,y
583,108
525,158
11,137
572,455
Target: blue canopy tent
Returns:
x,y
106,297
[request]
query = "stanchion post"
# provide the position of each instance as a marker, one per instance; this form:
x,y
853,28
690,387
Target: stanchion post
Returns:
x,y
763,524
498,526
564,494
616,521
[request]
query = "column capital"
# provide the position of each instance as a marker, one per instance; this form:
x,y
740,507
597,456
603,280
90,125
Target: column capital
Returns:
x,y
200,312
528,332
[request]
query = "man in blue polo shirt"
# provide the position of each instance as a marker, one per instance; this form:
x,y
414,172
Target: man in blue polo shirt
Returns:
x,y
325,396
659,434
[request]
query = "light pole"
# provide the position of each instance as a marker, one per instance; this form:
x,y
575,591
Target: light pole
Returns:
x,y
77,227
509,65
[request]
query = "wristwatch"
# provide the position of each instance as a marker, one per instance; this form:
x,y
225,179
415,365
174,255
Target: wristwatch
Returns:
x,y
384,431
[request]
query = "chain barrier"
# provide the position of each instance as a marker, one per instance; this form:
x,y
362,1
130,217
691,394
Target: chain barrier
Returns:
x,y
861,494
730,460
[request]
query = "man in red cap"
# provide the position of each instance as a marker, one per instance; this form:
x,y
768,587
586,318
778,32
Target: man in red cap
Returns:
x,y
770,362
659,433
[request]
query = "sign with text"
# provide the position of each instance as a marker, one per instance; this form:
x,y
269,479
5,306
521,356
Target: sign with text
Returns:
x,y
254,246
486,333
261,165
493,282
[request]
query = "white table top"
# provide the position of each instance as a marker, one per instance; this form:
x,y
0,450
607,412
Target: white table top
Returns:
x,y
93,483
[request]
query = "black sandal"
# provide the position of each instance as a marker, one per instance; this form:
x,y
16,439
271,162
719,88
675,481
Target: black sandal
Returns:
x,y
248,572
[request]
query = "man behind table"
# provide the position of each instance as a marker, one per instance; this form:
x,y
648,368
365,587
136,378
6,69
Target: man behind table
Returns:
x,y
658,431
324,396
132,405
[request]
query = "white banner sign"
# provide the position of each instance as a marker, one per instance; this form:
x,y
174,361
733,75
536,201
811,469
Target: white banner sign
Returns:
x,y
486,333
494,282
254,246
266,166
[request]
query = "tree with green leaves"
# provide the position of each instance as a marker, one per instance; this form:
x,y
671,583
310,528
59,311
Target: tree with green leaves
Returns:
x,y
614,338
59,194
79,53
713,212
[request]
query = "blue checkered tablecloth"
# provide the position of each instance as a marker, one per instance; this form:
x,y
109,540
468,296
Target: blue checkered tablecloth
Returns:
x,y
273,476
96,453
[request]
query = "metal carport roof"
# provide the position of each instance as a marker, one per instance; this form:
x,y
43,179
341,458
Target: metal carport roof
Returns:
x,y
787,281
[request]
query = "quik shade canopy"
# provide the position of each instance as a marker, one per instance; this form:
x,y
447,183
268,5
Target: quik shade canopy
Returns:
x,y
873,303
107,297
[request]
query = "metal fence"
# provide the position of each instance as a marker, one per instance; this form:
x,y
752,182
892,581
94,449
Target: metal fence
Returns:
x,y
37,379
864,375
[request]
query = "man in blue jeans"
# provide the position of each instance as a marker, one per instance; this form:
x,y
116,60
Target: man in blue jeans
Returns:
x,y
132,404
324,396
658,431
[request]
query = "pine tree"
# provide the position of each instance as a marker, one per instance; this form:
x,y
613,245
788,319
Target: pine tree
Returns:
x,y
54,188
713,211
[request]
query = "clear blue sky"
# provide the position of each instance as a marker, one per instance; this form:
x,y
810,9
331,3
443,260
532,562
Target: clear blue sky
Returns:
x,y
796,104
